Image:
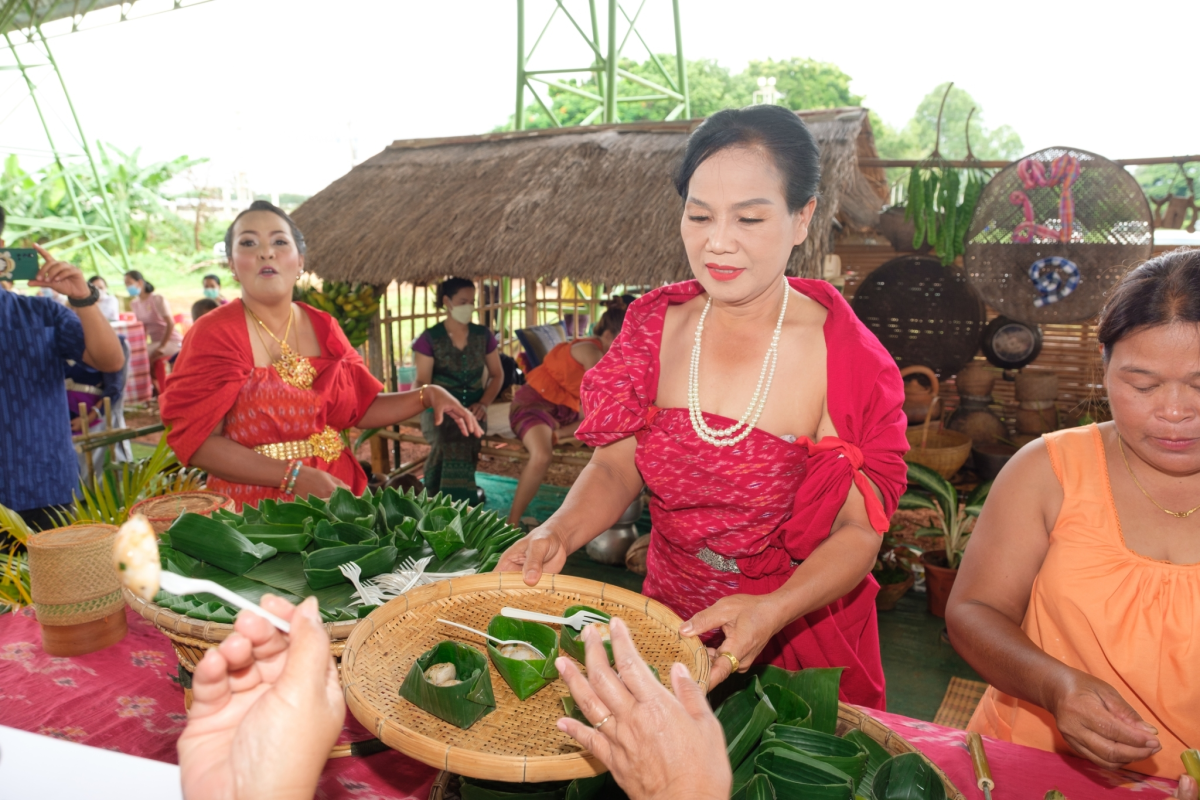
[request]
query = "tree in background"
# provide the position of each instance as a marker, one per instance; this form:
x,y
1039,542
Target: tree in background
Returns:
x,y
916,138
1163,181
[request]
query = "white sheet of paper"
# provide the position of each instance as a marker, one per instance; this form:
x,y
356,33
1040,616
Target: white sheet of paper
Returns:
x,y
35,766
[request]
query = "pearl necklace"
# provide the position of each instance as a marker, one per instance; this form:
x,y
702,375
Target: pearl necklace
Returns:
x,y
727,437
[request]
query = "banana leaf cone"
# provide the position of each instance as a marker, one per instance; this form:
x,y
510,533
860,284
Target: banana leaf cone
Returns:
x,y
321,567
572,641
284,538
525,677
907,777
743,717
462,705
757,788
795,776
791,707
842,754
214,542
443,529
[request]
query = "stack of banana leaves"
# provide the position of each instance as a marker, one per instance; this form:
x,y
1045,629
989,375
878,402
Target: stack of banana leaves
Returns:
x,y
295,549
780,734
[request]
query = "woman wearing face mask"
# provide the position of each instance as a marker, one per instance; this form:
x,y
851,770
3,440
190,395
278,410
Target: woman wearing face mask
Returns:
x,y
452,355
547,406
264,387
153,311
212,289
761,414
107,303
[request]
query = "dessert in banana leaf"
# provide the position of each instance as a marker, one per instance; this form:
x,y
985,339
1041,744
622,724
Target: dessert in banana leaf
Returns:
x,y
520,666
463,698
136,557
572,640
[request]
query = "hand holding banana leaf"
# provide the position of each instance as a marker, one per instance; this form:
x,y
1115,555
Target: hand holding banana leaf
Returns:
x,y
657,745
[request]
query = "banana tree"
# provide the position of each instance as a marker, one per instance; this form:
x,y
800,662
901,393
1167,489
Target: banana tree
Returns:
x,y
935,492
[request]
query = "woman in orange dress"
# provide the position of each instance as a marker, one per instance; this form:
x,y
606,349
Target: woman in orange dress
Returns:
x,y
1079,597
547,406
263,387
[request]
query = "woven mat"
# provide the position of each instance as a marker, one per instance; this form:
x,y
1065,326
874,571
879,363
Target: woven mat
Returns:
x,y
959,703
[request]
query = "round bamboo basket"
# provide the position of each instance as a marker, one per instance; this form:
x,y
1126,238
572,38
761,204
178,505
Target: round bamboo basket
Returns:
x,y
161,511
518,741
975,379
944,451
849,719
1034,385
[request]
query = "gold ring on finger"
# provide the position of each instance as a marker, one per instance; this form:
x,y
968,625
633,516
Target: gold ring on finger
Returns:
x,y
601,722
733,661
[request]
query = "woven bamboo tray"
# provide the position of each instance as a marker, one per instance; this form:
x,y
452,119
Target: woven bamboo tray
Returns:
x,y
849,718
518,741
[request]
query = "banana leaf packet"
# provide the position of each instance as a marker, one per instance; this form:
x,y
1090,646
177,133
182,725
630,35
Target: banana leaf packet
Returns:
x,y
524,677
462,705
322,567
572,640
845,755
214,542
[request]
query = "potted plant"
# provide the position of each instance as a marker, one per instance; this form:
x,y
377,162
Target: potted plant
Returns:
x,y
894,576
955,519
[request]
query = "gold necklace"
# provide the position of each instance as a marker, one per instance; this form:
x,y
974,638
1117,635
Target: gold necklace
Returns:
x,y
294,369
1136,482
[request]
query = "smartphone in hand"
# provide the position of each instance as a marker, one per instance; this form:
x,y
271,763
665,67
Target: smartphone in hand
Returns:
x,y
18,264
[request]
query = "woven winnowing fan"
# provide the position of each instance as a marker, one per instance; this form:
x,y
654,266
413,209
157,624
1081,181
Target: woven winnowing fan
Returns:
x,y
922,312
1052,234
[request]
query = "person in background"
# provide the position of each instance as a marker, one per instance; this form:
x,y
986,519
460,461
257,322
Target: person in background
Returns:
x,y
153,311
264,387
89,387
576,324
1078,597
452,354
202,307
212,289
38,469
259,688
107,304
547,406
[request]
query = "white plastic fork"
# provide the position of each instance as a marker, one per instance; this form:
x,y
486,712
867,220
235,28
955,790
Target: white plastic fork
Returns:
x,y
367,594
491,638
179,586
576,620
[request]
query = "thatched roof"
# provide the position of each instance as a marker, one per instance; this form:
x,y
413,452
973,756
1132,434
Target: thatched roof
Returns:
x,y
593,203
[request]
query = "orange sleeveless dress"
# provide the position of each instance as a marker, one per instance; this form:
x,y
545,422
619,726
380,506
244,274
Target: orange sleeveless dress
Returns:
x,y
1099,607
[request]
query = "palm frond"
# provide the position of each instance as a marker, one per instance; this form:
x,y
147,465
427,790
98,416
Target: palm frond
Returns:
x,y
12,524
119,487
14,579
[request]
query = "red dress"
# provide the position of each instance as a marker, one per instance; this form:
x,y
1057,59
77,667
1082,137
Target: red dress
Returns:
x,y
215,379
765,502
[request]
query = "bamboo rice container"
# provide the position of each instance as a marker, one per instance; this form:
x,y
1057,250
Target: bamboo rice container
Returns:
x,y
1036,385
975,380
76,592
162,511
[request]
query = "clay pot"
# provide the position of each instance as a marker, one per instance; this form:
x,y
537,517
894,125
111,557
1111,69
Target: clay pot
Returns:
x,y
939,580
978,423
1037,421
918,400
890,593
1035,385
975,380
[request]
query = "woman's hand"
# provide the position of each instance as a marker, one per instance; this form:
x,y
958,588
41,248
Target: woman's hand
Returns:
x,y
541,550
1098,724
656,745
312,481
1187,789
60,276
255,691
748,622
479,410
444,404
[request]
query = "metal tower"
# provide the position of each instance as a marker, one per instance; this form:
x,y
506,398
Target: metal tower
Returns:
x,y
605,61
29,50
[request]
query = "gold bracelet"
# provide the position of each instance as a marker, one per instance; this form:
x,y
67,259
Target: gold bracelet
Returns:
x,y
421,396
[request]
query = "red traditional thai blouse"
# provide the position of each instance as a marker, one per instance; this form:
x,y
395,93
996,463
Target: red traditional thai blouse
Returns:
x,y
215,379
766,502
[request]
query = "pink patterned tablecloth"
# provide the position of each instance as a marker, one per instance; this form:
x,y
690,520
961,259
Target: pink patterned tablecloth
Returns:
x,y
138,386
128,698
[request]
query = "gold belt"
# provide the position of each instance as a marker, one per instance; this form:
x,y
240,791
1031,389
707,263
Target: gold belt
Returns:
x,y
326,445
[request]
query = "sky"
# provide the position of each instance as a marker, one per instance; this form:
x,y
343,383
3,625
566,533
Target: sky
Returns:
x,y
294,92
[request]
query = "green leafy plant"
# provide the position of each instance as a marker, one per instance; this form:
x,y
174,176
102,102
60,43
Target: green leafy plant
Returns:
x,y
955,519
889,564
120,486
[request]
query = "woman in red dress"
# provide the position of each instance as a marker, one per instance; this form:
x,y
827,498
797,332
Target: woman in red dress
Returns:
x,y
765,528
263,387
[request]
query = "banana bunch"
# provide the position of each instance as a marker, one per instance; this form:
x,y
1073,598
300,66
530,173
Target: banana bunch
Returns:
x,y
353,305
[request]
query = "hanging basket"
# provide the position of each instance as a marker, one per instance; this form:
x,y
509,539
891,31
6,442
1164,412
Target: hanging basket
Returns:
x,y
922,312
1053,233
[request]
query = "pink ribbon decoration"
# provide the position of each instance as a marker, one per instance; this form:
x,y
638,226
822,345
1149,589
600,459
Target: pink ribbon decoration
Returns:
x,y
1064,170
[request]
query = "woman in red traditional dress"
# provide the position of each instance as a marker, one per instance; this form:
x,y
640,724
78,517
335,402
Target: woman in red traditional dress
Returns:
x,y
263,387
761,414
